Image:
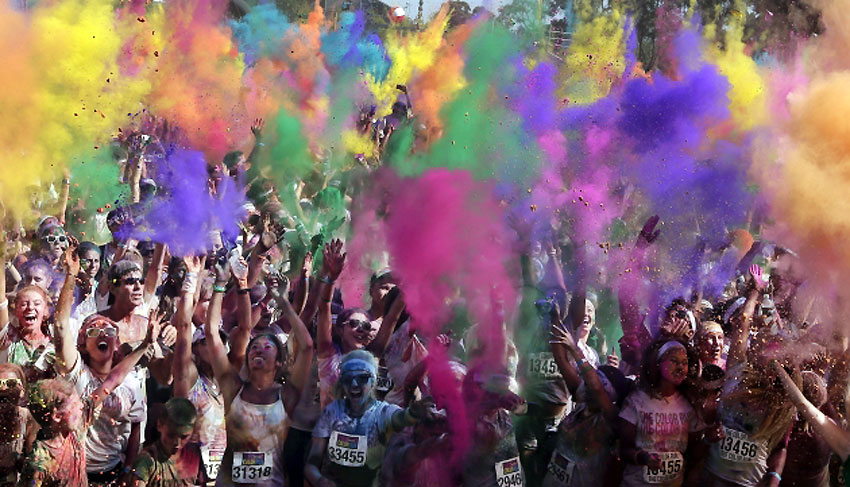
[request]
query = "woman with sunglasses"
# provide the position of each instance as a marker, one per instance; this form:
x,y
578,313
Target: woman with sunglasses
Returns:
x,y
354,329
350,438
52,242
17,425
113,439
257,407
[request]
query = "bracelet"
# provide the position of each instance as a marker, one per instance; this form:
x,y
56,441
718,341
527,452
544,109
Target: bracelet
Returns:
x,y
219,289
325,280
244,290
4,304
775,474
585,367
190,283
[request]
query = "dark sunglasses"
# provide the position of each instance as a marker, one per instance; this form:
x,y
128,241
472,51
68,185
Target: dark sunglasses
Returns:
x,y
361,379
131,281
362,324
10,383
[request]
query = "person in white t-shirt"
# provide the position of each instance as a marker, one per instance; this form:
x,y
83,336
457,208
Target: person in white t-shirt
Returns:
x,y
113,439
658,426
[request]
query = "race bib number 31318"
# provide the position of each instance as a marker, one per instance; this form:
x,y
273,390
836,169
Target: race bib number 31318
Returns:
x,y
671,467
509,473
252,467
347,450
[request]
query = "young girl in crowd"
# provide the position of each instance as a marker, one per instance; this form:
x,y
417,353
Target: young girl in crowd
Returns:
x,y
658,426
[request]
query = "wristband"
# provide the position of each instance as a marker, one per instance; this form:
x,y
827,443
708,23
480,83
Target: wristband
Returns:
x,y
219,289
325,280
244,290
775,474
4,304
190,283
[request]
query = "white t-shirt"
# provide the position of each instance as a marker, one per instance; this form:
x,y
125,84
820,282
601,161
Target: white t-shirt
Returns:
x,y
107,437
663,425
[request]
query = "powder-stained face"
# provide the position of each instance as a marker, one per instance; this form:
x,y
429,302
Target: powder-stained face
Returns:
x,y
30,309
674,366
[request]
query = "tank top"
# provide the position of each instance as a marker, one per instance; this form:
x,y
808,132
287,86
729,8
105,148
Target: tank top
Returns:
x,y
255,436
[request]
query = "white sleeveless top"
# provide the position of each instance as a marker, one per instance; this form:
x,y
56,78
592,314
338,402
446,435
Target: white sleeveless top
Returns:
x,y
254,428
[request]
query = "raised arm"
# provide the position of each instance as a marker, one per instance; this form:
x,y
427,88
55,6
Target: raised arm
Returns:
x,y
300,298
563,346
631,317
183,367
836,437
739,338
379,344
4,301
154,274
333,262
241,335
225,375
300,371
63,341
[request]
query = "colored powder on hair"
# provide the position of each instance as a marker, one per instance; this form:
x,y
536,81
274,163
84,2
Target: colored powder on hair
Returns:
x,y
184,213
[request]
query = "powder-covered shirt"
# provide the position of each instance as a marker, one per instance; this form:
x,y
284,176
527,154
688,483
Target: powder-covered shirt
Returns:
x,y
373,427
663,425
108,436
586,443
156,469
210,433
328,375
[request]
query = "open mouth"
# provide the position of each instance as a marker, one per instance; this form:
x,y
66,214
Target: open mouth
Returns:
x,y
355,392
103,345
30,317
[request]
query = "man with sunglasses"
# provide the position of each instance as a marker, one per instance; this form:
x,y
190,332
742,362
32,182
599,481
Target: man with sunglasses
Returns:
x,y
127,287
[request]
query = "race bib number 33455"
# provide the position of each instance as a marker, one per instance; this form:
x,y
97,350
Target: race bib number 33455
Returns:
x,y
509,473
347,450
252,467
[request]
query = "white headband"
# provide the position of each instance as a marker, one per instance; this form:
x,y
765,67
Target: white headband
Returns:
x,y
671,345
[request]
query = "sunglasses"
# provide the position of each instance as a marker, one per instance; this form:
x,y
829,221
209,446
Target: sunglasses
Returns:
x,y
132,281
360,379
55,238
107,332
10,383
361,324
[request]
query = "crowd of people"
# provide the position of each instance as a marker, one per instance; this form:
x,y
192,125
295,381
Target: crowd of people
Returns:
x,y
124,364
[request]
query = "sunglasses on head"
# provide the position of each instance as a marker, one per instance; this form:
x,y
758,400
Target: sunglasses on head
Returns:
x,y
56,238
10,383
362,324
131,281
96,332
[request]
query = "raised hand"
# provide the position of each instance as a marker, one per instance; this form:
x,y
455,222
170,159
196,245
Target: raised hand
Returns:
x,y
756,274
71,260
154,326
239,269
333,259
257,127
558,335
193,263
222,271
307,265
648,234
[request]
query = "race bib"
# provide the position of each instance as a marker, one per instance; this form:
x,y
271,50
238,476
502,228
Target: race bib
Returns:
x,y
509,473
251,467
671,467
347,450
542,366
383,383
561,468
738,447
212,461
